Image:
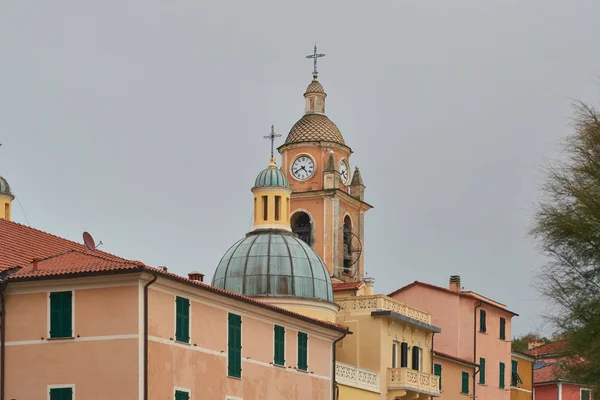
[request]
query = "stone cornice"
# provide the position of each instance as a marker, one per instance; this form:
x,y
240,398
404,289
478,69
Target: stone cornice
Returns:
x,y
314,194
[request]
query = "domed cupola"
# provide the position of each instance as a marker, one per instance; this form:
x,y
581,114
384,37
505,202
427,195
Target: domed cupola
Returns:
x,y
271,262
6,198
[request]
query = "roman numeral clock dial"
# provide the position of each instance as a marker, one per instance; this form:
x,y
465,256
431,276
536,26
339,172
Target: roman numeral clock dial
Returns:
x,y
303,168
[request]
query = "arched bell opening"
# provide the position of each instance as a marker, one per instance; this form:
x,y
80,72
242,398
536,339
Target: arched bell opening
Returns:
x,y
347,243
302,226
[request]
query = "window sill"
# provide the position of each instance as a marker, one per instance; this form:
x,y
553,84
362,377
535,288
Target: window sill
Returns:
x,y
302,370
180,342
482,384
279,365
61,338
239,378
465,394
484,333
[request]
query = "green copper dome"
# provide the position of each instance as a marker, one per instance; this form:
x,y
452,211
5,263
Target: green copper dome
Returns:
x,y
273,263
4,186
272,176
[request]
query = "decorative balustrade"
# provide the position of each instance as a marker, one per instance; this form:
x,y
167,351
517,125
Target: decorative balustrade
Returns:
x,y
405,378
382,302
361,378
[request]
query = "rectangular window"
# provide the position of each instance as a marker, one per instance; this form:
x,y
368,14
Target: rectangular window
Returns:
x,y
501,385
502,329
482,371
277,207
182,320
181,395
302,351
234,346
265,207
416,358
514,379
585,394
437,371
403,355
482,321
61,393
394,355
279,355
61,314
465,383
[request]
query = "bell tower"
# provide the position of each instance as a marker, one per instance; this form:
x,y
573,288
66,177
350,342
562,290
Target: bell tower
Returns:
x,y
6,198
327,203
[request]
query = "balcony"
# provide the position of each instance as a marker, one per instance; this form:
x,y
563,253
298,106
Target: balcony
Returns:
x,y
361,378
405,382
382,302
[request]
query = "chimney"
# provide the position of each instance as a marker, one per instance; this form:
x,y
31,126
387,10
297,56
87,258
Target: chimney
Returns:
x,y
196,276
455,283
534,344
162,268
35,264
370,283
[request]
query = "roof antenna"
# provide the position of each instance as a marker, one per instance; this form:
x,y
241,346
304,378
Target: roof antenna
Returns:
x,y
88,240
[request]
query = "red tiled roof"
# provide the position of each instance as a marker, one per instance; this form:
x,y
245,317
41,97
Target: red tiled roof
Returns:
x,y
548,349
337,287
20,244
462,294
549,373
62,258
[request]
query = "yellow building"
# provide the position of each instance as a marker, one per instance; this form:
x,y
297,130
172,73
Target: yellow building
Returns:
x,y
521,386
6,197
389,355
455,374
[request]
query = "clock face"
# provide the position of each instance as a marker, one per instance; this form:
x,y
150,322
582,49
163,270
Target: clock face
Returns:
x,y
344,172
303,168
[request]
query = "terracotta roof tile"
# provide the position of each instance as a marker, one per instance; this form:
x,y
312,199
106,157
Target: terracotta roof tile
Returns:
x,y
314,128
62,258
549,373
458,359
337,287
548,349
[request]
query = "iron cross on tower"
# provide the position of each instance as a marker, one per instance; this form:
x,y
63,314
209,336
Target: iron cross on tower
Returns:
x,y
315,55
272,137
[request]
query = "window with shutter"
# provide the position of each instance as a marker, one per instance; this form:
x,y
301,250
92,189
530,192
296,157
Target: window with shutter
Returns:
x,y
279,357
182,320
482,321
181,395
515,378
501,385
61,314
465,383
416,358
403,355
61,393
502,329
302,351
394,355
234,346
437,371
482,371
585,394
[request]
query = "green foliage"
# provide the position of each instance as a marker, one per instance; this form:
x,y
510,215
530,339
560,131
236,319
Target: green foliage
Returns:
x,y
520,343
567,225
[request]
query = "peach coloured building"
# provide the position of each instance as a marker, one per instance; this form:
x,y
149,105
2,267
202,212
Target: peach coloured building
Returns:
x,y
474,328
455,375
80,324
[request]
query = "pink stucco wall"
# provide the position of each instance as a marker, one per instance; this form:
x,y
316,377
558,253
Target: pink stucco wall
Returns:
x,y
454,315
550,392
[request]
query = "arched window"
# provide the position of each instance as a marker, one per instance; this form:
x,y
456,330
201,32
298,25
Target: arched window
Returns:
x,y
301,226
348,245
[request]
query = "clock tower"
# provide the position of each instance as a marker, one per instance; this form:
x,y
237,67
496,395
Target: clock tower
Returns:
x,y
327,204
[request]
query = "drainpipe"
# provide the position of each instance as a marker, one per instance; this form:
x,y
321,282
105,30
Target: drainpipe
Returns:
x,y
560,391
334,387
145,336
475,348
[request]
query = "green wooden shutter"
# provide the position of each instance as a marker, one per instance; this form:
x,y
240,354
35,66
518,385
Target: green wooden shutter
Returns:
x,y
234,356
302,351
482,321
61,394
61,314
585,394
502,328
415,358
182,320
279,356
179,395
482,371
501,376
403,355
514,376
437,371
465,383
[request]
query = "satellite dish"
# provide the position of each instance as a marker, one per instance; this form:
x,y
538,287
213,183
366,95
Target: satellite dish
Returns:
x,y
88,240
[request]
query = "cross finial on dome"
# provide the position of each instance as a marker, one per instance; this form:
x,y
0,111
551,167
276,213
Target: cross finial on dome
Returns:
x,y
314,56
272,137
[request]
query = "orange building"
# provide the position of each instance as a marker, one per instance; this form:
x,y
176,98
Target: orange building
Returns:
x,y
81,324
521,382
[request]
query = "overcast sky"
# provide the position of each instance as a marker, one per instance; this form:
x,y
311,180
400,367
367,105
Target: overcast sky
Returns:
x,y
142,123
